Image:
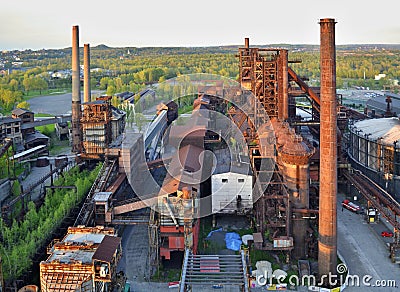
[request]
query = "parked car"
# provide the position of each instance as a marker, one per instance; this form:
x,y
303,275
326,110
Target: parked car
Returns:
x,y
351,206
386,234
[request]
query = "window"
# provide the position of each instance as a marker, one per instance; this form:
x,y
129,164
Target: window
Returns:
x,y
225,180
8,131
240,180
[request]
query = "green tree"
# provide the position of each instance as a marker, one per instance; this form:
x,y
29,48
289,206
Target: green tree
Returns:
x,y
28,83
111,90
140,120
24,104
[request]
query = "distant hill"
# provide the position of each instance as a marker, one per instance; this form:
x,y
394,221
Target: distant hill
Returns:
x,y
102,50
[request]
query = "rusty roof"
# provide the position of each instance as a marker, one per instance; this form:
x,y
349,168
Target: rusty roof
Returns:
x,y
107,248
20,111
183,164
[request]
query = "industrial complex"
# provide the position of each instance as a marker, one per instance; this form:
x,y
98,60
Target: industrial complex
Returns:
x,y
242,152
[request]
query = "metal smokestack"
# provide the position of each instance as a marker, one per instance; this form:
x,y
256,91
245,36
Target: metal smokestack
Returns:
x,y
283,83
76,92
285,86
246,43
327,244
86,73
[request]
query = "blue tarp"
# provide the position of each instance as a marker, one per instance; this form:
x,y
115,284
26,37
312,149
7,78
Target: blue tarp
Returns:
x,y
233,241
211,232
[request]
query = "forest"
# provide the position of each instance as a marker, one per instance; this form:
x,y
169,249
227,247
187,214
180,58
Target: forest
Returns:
x,y
116,70
20,240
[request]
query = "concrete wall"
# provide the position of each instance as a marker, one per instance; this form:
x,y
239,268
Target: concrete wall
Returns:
x,y
226,187
5,189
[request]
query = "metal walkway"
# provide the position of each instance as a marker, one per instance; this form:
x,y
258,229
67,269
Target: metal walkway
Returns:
x,y
210,270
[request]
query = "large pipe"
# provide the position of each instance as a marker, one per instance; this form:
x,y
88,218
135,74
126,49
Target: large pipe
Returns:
x,y
86,73
327,244
76,92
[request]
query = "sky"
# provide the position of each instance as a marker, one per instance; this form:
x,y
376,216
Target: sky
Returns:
x,y
27,24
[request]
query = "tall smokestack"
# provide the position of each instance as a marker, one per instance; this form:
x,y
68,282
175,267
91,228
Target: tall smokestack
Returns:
x,y
327,244
285,87
86,73
246,43
283,83
76,92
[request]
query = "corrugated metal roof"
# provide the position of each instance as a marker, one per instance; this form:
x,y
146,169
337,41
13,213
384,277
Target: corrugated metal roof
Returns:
x,y
85,237
182,166
102,196
386,128
9,120
20,111
69,256
107,248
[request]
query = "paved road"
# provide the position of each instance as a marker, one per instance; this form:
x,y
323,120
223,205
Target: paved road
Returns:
x,y
364,251
55,104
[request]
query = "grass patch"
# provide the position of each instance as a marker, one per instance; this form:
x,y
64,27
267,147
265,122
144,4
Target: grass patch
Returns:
x,y
185,109
37,93
41,115
166,275
205,229
56,146
259,255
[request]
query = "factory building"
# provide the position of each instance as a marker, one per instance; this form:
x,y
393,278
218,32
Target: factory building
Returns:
x,y
11,129
382,105
225,184
373,147
102,125
19,128
84,260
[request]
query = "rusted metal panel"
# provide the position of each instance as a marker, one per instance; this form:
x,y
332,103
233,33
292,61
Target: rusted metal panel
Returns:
x,y
176,242
73,262
165,252
96,127
97,229
171,229
107,249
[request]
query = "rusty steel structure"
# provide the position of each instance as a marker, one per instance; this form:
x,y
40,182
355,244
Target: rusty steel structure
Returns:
x,y
76,93
284,212
283,208
262,71
327,245
84,260
96,127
